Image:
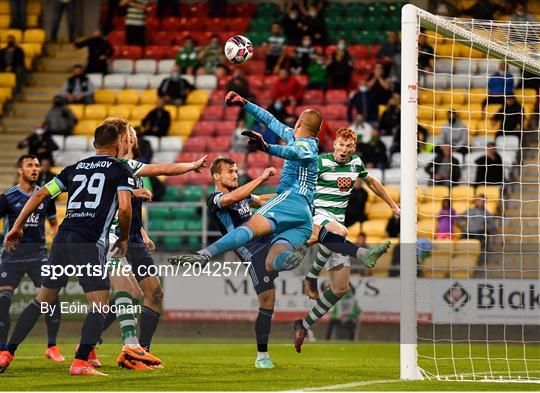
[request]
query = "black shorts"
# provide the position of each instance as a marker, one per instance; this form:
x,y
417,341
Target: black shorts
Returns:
x,y
137,255
262,280
12,270
70,248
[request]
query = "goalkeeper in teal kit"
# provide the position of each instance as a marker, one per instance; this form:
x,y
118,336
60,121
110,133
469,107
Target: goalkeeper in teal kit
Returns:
x,y
288,216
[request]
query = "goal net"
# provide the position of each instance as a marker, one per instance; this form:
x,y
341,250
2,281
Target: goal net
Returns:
x,y
470,193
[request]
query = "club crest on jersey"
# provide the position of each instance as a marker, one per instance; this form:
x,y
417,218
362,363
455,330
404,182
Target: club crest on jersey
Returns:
x,y
344,183
33,219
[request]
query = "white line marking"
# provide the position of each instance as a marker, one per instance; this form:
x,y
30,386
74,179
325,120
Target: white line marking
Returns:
x,y
349,385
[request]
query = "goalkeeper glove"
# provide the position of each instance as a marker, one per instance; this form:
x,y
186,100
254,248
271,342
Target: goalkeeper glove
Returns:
x,y
256,140
234,99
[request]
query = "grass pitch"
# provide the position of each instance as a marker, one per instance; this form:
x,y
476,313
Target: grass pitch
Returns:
x,y
200,366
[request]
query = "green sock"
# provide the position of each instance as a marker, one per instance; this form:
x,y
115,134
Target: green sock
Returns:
x,y
126,319
324,303
323,254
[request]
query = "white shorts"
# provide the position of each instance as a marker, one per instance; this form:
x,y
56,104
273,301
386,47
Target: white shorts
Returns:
x,y
114,262
337,260
321,219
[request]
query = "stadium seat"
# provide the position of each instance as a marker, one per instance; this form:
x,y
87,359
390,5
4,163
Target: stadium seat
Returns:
x,y
204,128
104,96
378,210
137,81
128,96
122,66
492,193
172,194
117,37
146,66
130,52
334,112
96,79
154,141
36,36
164,157
165,66
436,266
86,127
141,111
442,247
426,228
173,111
114,81
196,144
313,97
123,111
213,112
336,97
181,128
219,144
462,194
207,82
198,97
76,142
156,52
171,143
463,266
469,247
155,80
392,175
429,210
375,228
217,97
95,112
148,97
14,32
189,112
77,109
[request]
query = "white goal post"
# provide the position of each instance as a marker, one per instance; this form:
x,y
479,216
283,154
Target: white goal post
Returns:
x,y
490,342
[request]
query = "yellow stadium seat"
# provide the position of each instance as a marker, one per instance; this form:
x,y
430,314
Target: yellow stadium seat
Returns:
x,y
492,193
181,128
128,96
105,96
140,111
374,227
425,113
123,111
36,36
32,49
355,230
476,96
463,266
420,191
7,79
394,193
453,98
462,194
436,193
189,112
33,7
378,210
470,111
6,93
95,112
433,127
86,127
78,110
5,20
428,97
426,228
32,20
461,207
173,111
445,50
14,32
5,7
149,97
442,247
429,210
435,266
198,97
525,96
470,247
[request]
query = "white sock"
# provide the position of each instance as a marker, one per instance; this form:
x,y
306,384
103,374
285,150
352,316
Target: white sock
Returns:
x,y
262,355
132,342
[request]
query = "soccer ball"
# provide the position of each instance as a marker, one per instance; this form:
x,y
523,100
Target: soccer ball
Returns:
x,y
238,49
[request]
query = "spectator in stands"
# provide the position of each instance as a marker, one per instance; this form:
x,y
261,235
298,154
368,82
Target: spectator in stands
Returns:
x,y
520,13
217,9
362,128
483,9
317,74
293,26
302,56
390,120
455,133
340,67
146,153
500,85
99,53
78,88
162,5
12,60
188,57
279,111
477,222
445,221
509,118
113,9
135,21
388,51
210,56
60,120
379,86
174,89
40,144
59,7
45,175
314,25
18,14
444,170
360,101
275,49
356,209
425,52
157,121
239,141
489,168
287,88
373,153
239,84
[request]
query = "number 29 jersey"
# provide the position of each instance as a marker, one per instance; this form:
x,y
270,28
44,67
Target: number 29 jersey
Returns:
x,y
92,185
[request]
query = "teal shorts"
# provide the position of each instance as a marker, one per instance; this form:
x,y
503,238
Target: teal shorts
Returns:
x,y
292,217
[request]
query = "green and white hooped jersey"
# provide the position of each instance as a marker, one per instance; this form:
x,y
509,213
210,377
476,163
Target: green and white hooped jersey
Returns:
x,y
335,183
135,167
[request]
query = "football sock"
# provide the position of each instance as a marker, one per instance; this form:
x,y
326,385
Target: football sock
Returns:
x,y
324,303
340,244
24,325
323,254
5,304
149,322
53,323
231,241
280,263
90,334
262,355
263,323
126,319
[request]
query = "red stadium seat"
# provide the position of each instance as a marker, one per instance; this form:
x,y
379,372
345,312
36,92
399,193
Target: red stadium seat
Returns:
x,y
240,158
196,144
171,51
373,49
198,9
239,24
277,162
241,9
258,159
232,113
359,51
334,112
256,82
216,24
270,81
130,52
225,127
222,82
300,108
221,144
212,156
153,24
225,35
180,37
223,131
334,125
156,52
302,79
213,112
187,157
336,96
253,67
314,97
196,24
204,128
217,97
117,37
264,96
160,37
171,23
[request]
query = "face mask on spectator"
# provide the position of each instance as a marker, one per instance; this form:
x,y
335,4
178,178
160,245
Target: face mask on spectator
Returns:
x,y
306,42
313,14
363,88
342,46
293,15
278,105
175,76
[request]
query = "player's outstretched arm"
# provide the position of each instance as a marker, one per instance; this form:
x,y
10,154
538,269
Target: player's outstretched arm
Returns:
x,y
173,169
14,236
376,186
300,150
245,191
261,115
261,200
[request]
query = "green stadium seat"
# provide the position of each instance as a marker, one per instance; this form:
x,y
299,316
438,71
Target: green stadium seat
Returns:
x,y
192,193
194,225
171,243
380,36
356,9
352,23
176,225
392,22
157,225
159,213
335,9
179,213
333,22
172,194
364,37
258,37
260,24
378,9
335,36
373,22
193,242
267,9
